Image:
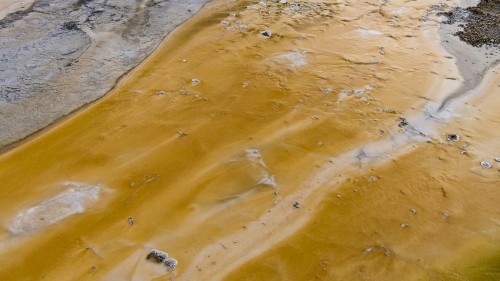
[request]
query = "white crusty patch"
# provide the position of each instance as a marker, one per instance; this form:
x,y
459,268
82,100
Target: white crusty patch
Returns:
x,y
368,31
74,200
293,59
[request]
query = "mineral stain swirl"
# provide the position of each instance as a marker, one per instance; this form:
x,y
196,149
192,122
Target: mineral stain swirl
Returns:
x,y
272,140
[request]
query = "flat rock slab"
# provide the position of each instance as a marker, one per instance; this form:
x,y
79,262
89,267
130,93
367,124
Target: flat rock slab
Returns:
x,y
59,55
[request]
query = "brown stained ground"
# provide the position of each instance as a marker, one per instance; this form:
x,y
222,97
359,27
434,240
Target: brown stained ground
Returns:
x,y
198,195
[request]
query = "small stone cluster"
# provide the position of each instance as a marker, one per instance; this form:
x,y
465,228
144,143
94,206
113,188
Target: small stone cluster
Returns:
x,y
162,257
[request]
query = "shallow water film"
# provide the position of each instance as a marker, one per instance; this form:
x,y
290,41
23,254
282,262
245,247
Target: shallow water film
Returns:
x,y
271,140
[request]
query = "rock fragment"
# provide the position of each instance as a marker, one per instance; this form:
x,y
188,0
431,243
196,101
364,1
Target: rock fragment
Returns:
x,y
485,164
453,137
157,256
403,122
266,33
171,262
195,81
296,205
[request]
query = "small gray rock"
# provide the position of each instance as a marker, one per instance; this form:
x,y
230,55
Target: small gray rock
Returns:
x,y
195,81
485,164
266,33
171,262
453,137
157,256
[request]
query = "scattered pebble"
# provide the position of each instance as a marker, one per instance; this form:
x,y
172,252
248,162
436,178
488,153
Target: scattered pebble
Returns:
x,y
339,196
485,164
132,184
413,211
404,225
224,22
266,33
372,178
171,262
453,137
157,255
195,81
403,122
371,249
327,91
296,205
445,216
282,1
497,159
130,221
161,93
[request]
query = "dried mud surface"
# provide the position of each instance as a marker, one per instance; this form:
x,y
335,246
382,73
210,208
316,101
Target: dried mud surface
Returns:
x,y
60,55
265,141
12,6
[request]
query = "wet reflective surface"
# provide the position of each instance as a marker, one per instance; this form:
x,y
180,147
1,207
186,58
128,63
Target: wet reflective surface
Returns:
x,y
211,142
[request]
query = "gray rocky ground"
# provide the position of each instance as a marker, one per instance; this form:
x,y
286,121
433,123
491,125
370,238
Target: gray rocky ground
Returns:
x,y
58,55
472,35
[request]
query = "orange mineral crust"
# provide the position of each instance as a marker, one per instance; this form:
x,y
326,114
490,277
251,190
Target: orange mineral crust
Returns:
x,y
268,141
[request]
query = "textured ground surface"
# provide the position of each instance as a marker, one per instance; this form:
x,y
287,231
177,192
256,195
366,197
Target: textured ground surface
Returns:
x,y
480,23
317,151
60,55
